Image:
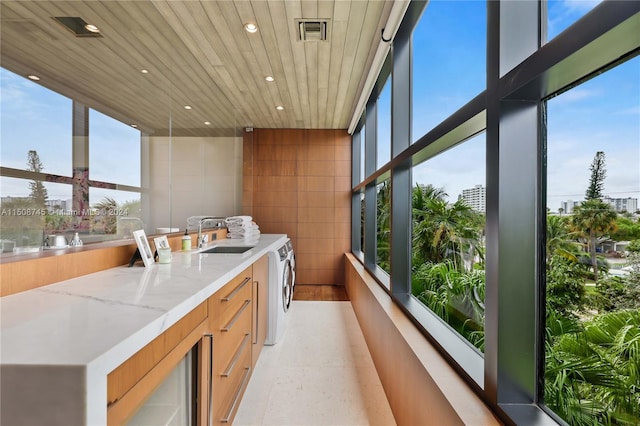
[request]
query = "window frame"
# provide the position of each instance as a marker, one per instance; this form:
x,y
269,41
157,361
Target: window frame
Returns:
x,y
523,70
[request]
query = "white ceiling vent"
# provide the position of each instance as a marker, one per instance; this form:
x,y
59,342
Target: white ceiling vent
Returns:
x,y
313,29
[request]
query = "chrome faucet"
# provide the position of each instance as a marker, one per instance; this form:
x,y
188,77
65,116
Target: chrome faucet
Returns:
x,y
200,237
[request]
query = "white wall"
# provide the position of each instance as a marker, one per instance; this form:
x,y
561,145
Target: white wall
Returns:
x,y
190,176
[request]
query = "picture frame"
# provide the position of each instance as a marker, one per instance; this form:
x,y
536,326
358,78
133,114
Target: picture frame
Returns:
x,y
143,247
161,242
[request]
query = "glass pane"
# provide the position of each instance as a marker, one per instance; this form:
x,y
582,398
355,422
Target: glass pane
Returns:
x,y
449,56
171,403
115,214
563,13
593,250
448,248
383,225
114,153
383,143
25,221
34,119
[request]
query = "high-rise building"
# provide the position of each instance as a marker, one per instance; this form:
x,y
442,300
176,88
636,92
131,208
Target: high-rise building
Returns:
x,y
475,197
622,204
568,206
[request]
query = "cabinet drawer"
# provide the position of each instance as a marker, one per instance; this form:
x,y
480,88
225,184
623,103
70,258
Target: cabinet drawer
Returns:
x,y
229,390
226,342
232,295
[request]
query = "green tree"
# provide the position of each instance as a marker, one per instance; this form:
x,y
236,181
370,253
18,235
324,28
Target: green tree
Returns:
x,y
38,193
106,221
455,296
634,246
598,174
627,229
565,286
593,219
560,240
592,371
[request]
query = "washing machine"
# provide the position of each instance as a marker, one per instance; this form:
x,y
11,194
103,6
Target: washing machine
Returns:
x,y
281,281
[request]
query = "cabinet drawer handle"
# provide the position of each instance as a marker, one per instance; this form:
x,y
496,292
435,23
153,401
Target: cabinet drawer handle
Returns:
x,y
236,397
236,316
236,290
236,357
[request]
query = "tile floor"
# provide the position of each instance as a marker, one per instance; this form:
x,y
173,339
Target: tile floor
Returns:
x,y
321,373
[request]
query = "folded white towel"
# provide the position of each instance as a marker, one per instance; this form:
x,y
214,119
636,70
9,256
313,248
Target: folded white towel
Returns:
x,y
243,229
245,238
238,219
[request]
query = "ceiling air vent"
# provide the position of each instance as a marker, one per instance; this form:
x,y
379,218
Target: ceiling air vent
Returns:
x,y
313,30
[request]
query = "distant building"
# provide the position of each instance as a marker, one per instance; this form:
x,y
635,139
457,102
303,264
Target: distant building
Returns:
x,y
618,204
568,206
56,205
475,197
622,204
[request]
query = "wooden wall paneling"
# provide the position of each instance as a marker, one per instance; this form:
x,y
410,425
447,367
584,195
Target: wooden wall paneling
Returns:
x,y
310,201
316,184
421,387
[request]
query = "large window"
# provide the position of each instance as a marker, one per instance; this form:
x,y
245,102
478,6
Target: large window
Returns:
x,y
593,250
60,177
516,191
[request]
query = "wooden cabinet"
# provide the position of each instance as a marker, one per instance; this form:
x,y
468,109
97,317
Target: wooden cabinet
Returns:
x,y
129,385
225,333
260,306
231,323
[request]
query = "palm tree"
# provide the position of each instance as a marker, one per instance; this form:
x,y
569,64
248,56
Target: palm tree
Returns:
x,y
592,371
104,220
593,219
455,296
559,240
447,231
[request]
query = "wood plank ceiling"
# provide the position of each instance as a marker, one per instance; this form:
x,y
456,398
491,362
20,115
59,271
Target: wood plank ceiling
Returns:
x,y
197,53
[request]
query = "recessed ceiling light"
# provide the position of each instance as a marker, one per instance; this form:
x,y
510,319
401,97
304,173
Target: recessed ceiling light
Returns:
x,y
92,28
33,77
144,71
78,26
187,107
208,123
135,126
279,107
251,27
269,78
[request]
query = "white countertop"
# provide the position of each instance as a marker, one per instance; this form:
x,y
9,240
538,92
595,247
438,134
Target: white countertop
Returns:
x,y
97,321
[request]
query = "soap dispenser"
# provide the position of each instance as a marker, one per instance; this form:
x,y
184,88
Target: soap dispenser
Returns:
x,y
186,241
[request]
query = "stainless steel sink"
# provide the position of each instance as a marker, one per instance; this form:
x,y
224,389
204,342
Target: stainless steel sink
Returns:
x,y
227,249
